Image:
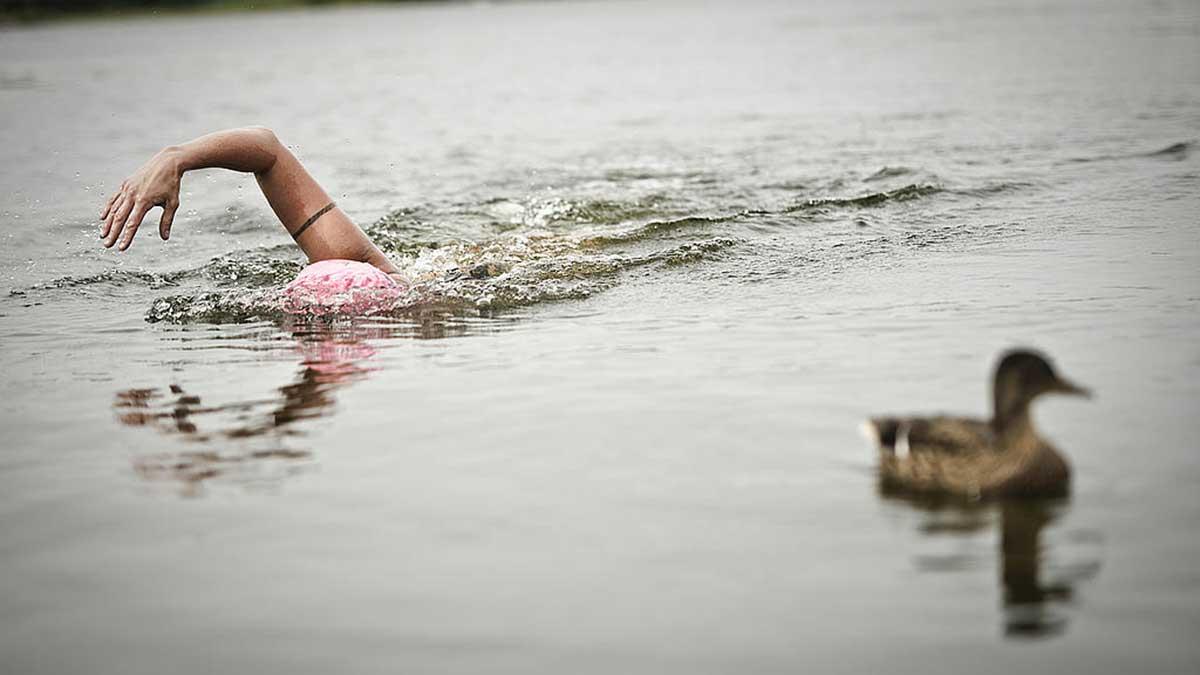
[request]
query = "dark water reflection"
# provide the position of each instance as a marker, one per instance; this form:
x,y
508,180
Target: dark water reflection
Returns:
x,y
253,440
329,360
1030,601
1038,582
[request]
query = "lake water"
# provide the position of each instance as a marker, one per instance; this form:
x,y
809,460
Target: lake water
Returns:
x,y
669,256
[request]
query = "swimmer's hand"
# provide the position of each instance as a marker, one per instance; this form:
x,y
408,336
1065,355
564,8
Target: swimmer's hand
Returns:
x,y
155,184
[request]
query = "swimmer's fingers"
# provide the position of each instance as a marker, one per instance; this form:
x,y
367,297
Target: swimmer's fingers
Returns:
x,y
111,214
168,217
117,221
109,204
131,225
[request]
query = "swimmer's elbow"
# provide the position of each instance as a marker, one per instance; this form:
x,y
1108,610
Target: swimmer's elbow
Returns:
x,y
268,143
263,134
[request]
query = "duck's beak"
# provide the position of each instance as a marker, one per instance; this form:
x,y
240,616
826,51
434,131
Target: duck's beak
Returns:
x,y
1064,386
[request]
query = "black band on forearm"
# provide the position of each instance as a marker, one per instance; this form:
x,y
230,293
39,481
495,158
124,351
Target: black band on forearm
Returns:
x,y
312,219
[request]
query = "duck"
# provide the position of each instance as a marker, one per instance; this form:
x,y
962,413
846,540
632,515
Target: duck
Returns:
x,y
974,459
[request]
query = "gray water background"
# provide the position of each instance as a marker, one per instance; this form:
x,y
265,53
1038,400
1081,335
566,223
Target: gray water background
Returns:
x,y
671,254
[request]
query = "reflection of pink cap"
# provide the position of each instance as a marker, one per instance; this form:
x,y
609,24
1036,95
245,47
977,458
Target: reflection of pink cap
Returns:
x,y
340,287
335,359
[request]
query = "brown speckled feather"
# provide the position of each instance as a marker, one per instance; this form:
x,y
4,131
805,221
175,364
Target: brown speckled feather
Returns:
x,y
964,457
955,435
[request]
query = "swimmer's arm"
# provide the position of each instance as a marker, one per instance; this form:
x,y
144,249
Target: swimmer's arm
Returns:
x,y
292,193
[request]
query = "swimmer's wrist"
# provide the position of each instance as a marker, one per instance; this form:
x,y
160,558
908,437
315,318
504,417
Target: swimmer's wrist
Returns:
x,y
175,157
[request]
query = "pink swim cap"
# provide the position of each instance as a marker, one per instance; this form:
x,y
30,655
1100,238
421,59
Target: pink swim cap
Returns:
x,y
340,287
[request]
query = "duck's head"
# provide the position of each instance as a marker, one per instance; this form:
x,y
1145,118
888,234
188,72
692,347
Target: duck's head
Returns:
x,y
1023,375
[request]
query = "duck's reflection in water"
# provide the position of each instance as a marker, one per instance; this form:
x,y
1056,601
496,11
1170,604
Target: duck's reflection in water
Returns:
x,y
1030,600
1037,580
252,441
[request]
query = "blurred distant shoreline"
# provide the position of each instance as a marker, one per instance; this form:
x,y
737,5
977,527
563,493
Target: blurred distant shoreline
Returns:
x,y
39,11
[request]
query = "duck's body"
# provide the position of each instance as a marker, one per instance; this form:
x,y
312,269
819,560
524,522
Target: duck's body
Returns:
x,y
977,459
965,457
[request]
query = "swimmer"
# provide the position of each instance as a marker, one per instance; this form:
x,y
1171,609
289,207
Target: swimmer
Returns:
x,y
340,254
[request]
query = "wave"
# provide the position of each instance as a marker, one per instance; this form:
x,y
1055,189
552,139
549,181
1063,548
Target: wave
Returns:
x,y
115,277
889,172
549,212
1174,151
993,188
651,229
902,194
